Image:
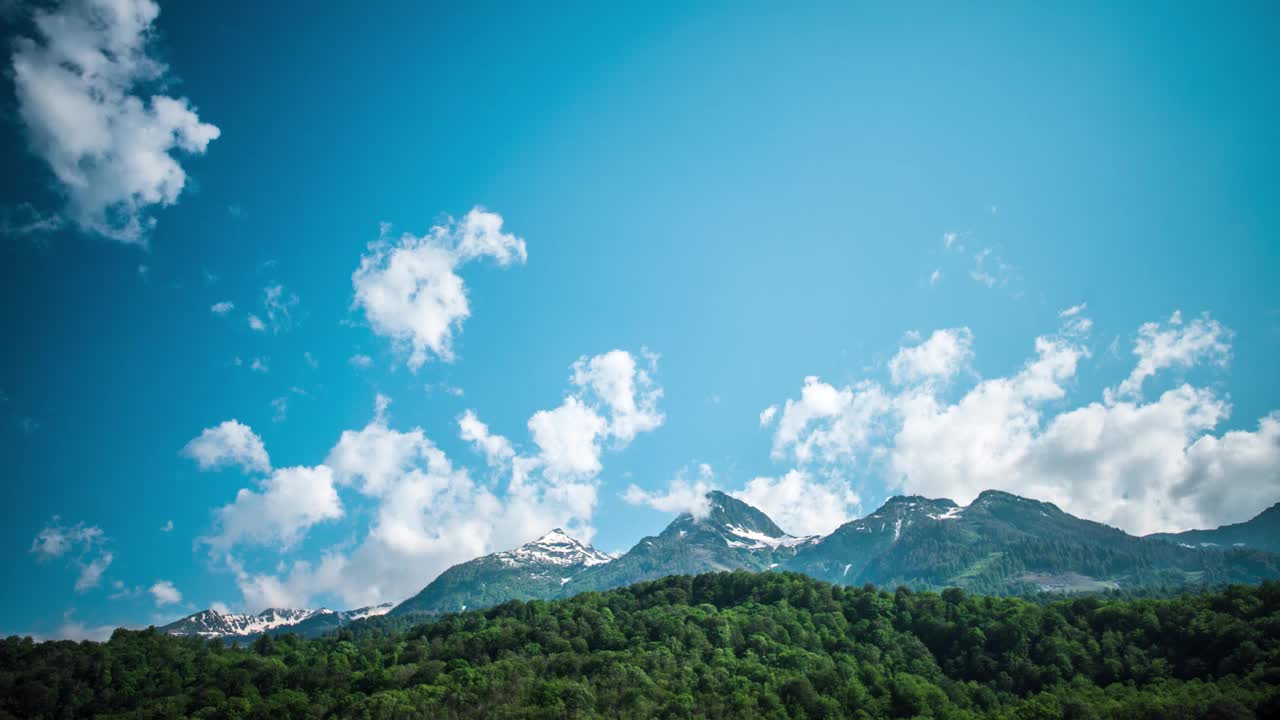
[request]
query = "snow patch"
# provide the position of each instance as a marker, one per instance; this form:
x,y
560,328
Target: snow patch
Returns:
x,y
759,541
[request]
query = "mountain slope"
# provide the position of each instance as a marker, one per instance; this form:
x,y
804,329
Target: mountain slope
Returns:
x,y
536,570
307,623
1262,533
1002,543
733,536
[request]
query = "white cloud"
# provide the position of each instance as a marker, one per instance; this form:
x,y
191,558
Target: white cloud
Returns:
x,y
360,360
949,239
85,542
829,425
939,358
496,449
167,527
1073,310
626,390
57,539
802,504
568,438
112,151
373,459
767,415
1142,466
91,571
222,308
682,496
1176,345
289,502
410,291
165,593
935,276
278,306
229,443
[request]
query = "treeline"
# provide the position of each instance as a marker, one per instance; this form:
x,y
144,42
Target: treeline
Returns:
x,y
728,645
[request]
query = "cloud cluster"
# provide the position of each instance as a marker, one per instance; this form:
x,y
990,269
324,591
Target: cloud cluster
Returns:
x,y
410,291
80,91
428,513
1144,465
85,544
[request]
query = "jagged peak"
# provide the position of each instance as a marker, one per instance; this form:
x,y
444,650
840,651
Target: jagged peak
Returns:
x,y
736,523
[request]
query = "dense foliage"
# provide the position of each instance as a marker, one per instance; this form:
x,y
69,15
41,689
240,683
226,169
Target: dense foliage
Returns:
x,y
728,645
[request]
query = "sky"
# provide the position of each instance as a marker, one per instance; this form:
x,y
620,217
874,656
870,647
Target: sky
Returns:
x,y
305,304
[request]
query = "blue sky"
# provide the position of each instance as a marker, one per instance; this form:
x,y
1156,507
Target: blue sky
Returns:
x,y
897,202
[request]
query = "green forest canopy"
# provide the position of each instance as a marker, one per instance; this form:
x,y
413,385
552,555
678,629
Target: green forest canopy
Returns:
x,y
725,645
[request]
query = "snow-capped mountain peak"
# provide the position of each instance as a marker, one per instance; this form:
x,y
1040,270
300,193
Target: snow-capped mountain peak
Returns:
x,y
211,623
554,548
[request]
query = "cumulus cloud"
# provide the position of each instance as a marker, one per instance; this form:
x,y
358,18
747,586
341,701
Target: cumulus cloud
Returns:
x,y
767,415
287,504
801,503
568,438
1176,345
625,389
229,443
939,358
828,424
410,291
84,544
428,513
1142,466
683,495
165,593
81,87
222,308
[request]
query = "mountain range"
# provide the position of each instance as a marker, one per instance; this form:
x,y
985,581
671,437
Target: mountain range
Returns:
x,y
308,623
999,544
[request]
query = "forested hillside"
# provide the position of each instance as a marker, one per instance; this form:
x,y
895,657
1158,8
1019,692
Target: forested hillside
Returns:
x,y
727,645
